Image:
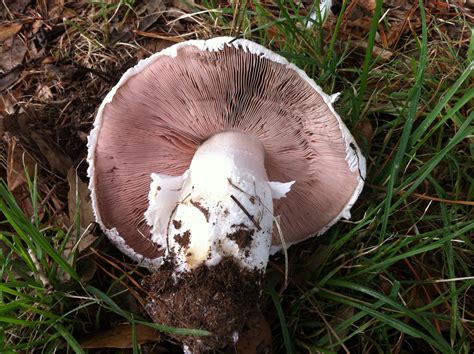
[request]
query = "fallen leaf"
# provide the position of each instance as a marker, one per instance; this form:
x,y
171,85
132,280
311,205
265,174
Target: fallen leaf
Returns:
x,y
154,6
10,78
55,8
12,52
80,206
44,92
395,3
184,5
364,132
79,200
368,5
18,164
383,54
16,5
8,31
7,104
87,271
57,158
121,337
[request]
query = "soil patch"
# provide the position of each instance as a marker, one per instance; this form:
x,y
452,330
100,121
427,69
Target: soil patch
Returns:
x,y
219,299
183,239
177,224
243,237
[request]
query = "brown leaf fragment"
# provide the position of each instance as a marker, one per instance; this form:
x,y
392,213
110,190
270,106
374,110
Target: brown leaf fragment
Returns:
x,y
87,270
7,106
186,5
121,337
364,131
368,5
55,8
18,164
16,5
383,54
79,200
9,79
154,6
360,9
44,92
57,158
12,52
395,3
8,31
80,206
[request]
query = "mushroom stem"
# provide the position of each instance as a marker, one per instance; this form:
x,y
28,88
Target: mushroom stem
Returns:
x,y
221,207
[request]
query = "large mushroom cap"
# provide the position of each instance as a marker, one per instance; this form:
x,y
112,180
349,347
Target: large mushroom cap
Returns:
x,y
162,109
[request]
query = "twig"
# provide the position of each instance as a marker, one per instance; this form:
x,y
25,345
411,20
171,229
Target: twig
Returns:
x,y
246,212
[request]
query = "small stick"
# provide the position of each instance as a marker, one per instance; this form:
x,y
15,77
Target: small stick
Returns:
x,y
39,271
246,212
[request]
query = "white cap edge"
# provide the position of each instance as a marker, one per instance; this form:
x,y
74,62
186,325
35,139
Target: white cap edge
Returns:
x,y
354,157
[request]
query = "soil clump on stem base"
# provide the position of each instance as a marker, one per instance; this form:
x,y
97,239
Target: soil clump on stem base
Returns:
x,y
219,299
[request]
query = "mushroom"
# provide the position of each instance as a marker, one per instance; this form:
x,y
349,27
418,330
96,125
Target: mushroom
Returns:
x,y
194,155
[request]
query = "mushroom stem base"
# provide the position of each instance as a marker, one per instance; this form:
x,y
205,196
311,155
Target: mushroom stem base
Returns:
x,y
219,299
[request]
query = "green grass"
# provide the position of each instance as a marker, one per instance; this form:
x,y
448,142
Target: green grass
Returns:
x,y
422,143
44,303
397,277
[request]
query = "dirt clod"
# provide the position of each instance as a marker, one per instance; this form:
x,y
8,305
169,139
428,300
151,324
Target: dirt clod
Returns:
x,y
219,299
243,237
183,239
177,224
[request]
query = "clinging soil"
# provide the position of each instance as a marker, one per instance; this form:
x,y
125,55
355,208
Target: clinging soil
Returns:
x,y
219,299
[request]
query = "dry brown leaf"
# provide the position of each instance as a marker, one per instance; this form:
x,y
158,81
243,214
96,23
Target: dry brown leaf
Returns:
x,y
152,7
12,52
8,31
55,8
6,81
88,270
18,161
364,132
57,158
16,5
368,5
7,105
184,5
396,3
121,337
85,241
383,54
79,200
79,205
44,92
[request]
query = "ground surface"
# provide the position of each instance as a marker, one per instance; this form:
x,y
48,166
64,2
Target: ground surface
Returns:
x,y
397,278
